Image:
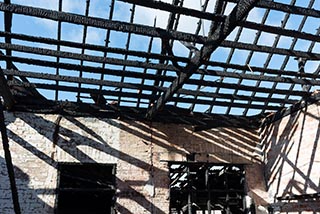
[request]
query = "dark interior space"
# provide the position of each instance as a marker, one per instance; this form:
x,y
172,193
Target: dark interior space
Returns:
x,y
206,187
85,188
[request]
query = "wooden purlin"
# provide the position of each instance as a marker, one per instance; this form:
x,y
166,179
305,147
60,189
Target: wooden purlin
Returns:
x,y
285,8
7,28
141,29
269,56
84,38
292,47
226,44
91,69
184,92
148,65
168,115
134,95
9,164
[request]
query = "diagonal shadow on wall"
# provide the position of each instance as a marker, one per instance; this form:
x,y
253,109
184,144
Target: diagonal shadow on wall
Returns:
x,y
290,169
227,145
36,122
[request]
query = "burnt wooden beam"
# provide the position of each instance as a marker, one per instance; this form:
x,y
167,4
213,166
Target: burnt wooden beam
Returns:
x,y
82,80
220,33
176,9
24,79
9,164
127,45
226,43
300,197
138,86
7,28
273,117
99,22
294,43
263,70
271,50
93,47
82,89
85,57
84,37
183,92
209,16
152,76
140,29
276,6
286,8
195,13
166,44
280,31
137,95
116,61
168,115
58,47
5,91
150,65
262,77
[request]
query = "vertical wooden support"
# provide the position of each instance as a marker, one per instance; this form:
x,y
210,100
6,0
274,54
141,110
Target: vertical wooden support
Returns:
x,y
207,180
9,164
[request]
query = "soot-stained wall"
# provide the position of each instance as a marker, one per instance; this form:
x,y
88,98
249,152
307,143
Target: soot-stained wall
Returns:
x,y
139,150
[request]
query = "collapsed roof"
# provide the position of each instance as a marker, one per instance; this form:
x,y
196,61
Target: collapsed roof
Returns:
x,y
199,62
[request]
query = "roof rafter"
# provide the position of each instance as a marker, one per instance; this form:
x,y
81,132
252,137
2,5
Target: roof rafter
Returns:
x,y
141,29
205,15
216,37
91,58
285,8
134,95
184,92
114,72
100,23
7,28
225,43
176,9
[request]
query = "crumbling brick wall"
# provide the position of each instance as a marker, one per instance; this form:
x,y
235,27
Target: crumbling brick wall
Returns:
x,y
292,158
139,150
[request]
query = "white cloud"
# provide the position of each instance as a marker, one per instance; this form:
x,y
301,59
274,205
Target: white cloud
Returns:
x,y
255,15
74,6
146,16
50,5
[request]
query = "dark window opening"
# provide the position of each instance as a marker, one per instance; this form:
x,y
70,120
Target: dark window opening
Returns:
x,y
206,188
85,188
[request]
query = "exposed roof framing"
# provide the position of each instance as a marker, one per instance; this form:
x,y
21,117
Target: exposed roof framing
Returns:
x,y
226,57
216,36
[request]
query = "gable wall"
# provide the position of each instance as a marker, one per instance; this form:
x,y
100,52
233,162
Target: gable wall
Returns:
x,y
292,159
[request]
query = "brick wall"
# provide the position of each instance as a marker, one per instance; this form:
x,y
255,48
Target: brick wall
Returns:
x,y
292,158
139,150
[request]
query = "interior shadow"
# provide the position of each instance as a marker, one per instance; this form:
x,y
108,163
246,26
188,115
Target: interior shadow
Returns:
x,y
28,197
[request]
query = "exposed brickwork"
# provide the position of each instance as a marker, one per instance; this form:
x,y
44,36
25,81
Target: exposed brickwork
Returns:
x,y
139,150
293,159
